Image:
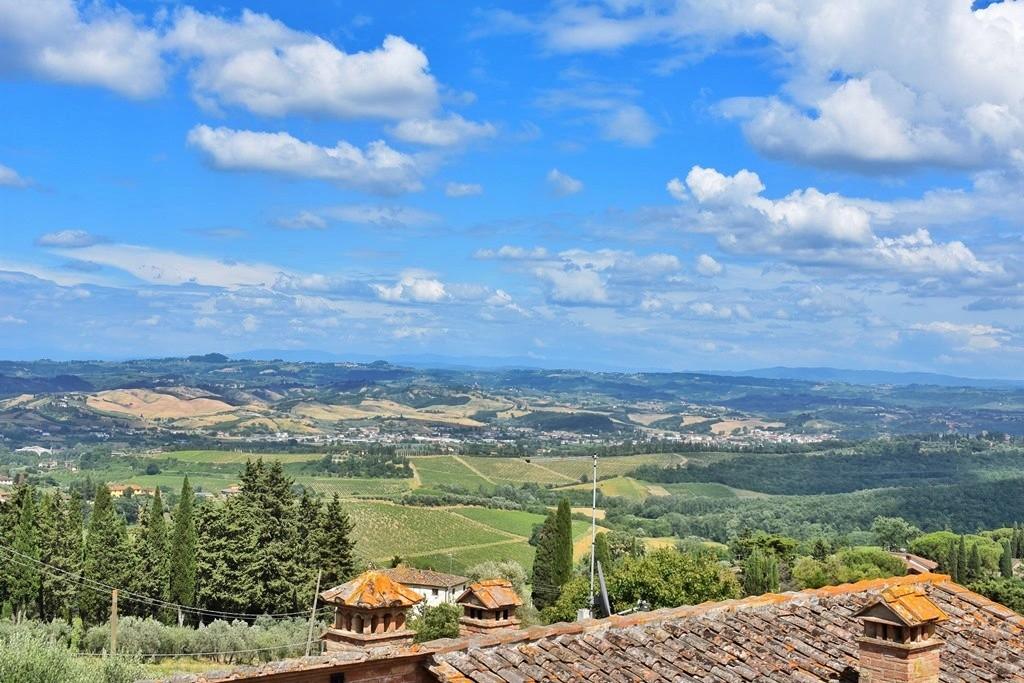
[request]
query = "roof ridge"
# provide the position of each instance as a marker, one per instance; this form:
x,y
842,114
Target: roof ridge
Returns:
x,y
708,607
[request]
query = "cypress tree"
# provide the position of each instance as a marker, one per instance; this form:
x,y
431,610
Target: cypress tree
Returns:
x,y
154,556
602,553
953,563
336,548
974,564
72,535
182,562
50,542
1006,561
25,580
961,560
565,544
546,587
760,573
107,556
270,568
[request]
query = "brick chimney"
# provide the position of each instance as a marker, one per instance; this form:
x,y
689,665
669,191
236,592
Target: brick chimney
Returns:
x,y
369,610
488,605
899,643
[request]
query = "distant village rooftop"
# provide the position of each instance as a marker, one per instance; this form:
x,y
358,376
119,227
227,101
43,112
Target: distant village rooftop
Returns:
x,y
423,577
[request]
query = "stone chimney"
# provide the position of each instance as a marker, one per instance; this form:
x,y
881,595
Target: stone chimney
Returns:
x,y
488,605
899,643
371,609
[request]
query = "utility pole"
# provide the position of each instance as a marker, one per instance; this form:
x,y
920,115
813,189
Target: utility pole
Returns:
x,y
593,535
113,622
312,613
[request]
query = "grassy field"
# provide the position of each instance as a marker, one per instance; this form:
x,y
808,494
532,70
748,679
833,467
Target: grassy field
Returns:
x,y
700,489
624,487
515,522
463,559
237,457
435,470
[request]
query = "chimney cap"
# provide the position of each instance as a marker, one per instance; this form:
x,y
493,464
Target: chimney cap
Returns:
x,y
907,605
372,590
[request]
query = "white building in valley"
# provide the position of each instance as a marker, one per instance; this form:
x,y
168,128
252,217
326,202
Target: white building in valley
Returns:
x,y
435,587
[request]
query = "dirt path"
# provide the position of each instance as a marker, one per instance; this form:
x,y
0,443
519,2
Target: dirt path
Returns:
x,y
416,481
475,470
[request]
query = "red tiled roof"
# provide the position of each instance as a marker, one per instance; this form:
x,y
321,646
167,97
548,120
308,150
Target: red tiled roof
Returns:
x,y
371,590
804,637
492,594
411,576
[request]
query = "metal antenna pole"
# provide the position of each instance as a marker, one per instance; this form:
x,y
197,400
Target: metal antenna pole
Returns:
x,y
593,534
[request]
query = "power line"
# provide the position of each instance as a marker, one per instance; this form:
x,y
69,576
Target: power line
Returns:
x,y
138,597
189,654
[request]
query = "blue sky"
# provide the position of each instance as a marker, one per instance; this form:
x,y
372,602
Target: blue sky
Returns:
x,y
677,185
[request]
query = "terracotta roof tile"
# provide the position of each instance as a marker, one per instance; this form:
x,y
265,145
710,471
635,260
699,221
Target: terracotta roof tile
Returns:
x,y
492,594
424,577
371,590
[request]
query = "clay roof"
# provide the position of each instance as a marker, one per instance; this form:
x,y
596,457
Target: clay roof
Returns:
x,y
371,590
916,562
910,604
411,576
492,594
793,637
804,637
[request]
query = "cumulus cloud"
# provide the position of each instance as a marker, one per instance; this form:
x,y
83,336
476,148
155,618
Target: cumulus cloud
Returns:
x,y
966,336
562,184
457,190
573,286
809,227
378,168
303,220
68,239
869,85
607,107
11,178
708,266
415,288
512,253
70,42
450,131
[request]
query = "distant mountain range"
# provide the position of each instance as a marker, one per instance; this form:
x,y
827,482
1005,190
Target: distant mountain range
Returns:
x,y
807,374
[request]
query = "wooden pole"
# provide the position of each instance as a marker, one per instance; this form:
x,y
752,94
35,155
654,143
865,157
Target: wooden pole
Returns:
x,y
312,612
113,622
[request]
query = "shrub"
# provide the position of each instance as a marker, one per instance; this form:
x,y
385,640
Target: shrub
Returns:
x,y
438,621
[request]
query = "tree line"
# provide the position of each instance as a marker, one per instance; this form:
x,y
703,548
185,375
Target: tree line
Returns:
x,y
256,553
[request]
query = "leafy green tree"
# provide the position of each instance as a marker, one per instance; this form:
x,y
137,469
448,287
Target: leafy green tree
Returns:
x,y
893,533
760,573
1006,561
1009,592
974,569
437,621
337,549
182,562
603,553
810,572
107,556
821,549
510,570
60,539
25,581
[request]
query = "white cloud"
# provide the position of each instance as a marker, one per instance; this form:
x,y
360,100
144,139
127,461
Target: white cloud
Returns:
x,y
621,261
10,178
81,44
573,286
303,220
562,184
450,131
378,169
967,337
628,124
607,107
414,288
381,216
250,323
259,63
11,320
512,253
869,85
68,239
463,189
708,266
809,227
157,266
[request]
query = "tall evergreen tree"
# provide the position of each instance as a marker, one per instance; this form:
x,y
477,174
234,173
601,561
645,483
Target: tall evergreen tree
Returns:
x,y
48,521
152,577
336,548
182,562
545,582
953,562
1006,560
25,579
974,568
602,553
760,573
565,545
961,560
271,567
107,556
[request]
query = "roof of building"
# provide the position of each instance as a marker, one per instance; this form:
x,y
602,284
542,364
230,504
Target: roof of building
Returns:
x,y
492,594
411,576
909,604
793,637
921,565
371,590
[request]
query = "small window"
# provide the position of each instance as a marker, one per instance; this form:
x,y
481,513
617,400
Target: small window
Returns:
x,y
435,592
